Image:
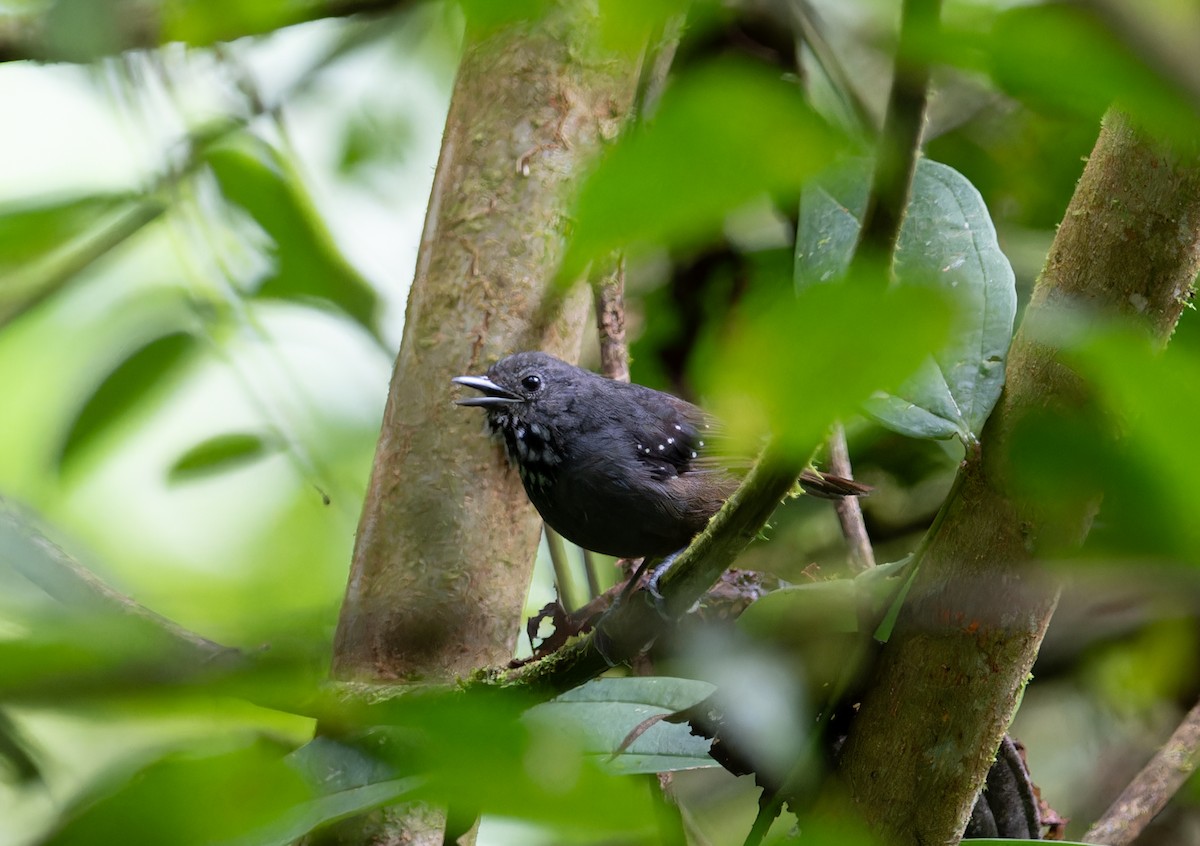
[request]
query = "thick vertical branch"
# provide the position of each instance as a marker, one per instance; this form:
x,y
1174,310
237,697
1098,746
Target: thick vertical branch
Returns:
x,y
447,539
951,675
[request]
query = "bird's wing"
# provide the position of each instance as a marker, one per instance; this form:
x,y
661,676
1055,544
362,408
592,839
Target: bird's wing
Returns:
x,y
674,437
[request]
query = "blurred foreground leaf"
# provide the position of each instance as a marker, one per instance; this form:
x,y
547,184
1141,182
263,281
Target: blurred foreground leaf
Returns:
x,y
948,243
46,243
188,796
1135,447
605,711
31,229
794,364
123,389
1039,52
723,135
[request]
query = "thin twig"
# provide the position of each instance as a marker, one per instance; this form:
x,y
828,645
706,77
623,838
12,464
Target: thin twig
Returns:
x,y
591,567
562,569
1152,788
849,512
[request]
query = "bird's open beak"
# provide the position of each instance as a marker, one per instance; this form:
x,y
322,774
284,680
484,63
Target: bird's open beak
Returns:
x,y
493,394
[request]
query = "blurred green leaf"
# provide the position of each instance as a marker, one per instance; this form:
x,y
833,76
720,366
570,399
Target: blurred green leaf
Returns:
x,y
724,134
475,752
484,16
1150,395
302,819
33,228
45,244
605,711
627,26
948,243
792,364
18,763
83,30
809,610
205,22
123,389
1060,58
255,176
188,796
221,453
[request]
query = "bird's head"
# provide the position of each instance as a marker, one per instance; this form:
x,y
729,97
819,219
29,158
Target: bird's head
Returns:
x,y
526,396
523,383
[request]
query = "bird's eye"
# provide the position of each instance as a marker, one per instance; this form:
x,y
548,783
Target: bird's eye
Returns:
x,y
532,382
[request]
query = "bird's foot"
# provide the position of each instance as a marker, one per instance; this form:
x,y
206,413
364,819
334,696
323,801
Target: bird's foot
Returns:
x,y
656,597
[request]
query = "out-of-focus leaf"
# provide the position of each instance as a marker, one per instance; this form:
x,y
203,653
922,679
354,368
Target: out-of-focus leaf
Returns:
x,y
947,242
1153,472
188,797
1037,52
724,135
221,453
476,750
817,608
44,245
83,30
793,364
255,176
31,229
123,388
485,15
17,762
205,22
627,25
605,711
302,819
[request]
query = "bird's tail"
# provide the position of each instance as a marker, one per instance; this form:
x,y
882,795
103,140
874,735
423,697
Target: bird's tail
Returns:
x,y
827,486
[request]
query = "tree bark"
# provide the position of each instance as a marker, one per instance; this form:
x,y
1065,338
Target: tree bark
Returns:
x,y
447,538
952,673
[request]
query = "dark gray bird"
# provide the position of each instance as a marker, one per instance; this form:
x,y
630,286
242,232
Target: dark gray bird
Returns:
x,y
616,468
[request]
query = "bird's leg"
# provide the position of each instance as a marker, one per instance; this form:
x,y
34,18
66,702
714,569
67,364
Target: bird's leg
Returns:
x,y
636,579
657,573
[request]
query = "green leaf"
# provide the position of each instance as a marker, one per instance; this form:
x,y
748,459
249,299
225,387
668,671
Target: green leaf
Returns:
x,y
605,711
724,135
1036,53
818,610
221,453
123,389
809,610
188,796
1149,476
31,229
302,819
255,176
793,363
947,243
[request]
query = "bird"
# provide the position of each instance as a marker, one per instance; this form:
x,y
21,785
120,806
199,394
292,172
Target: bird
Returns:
x,y
614,467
